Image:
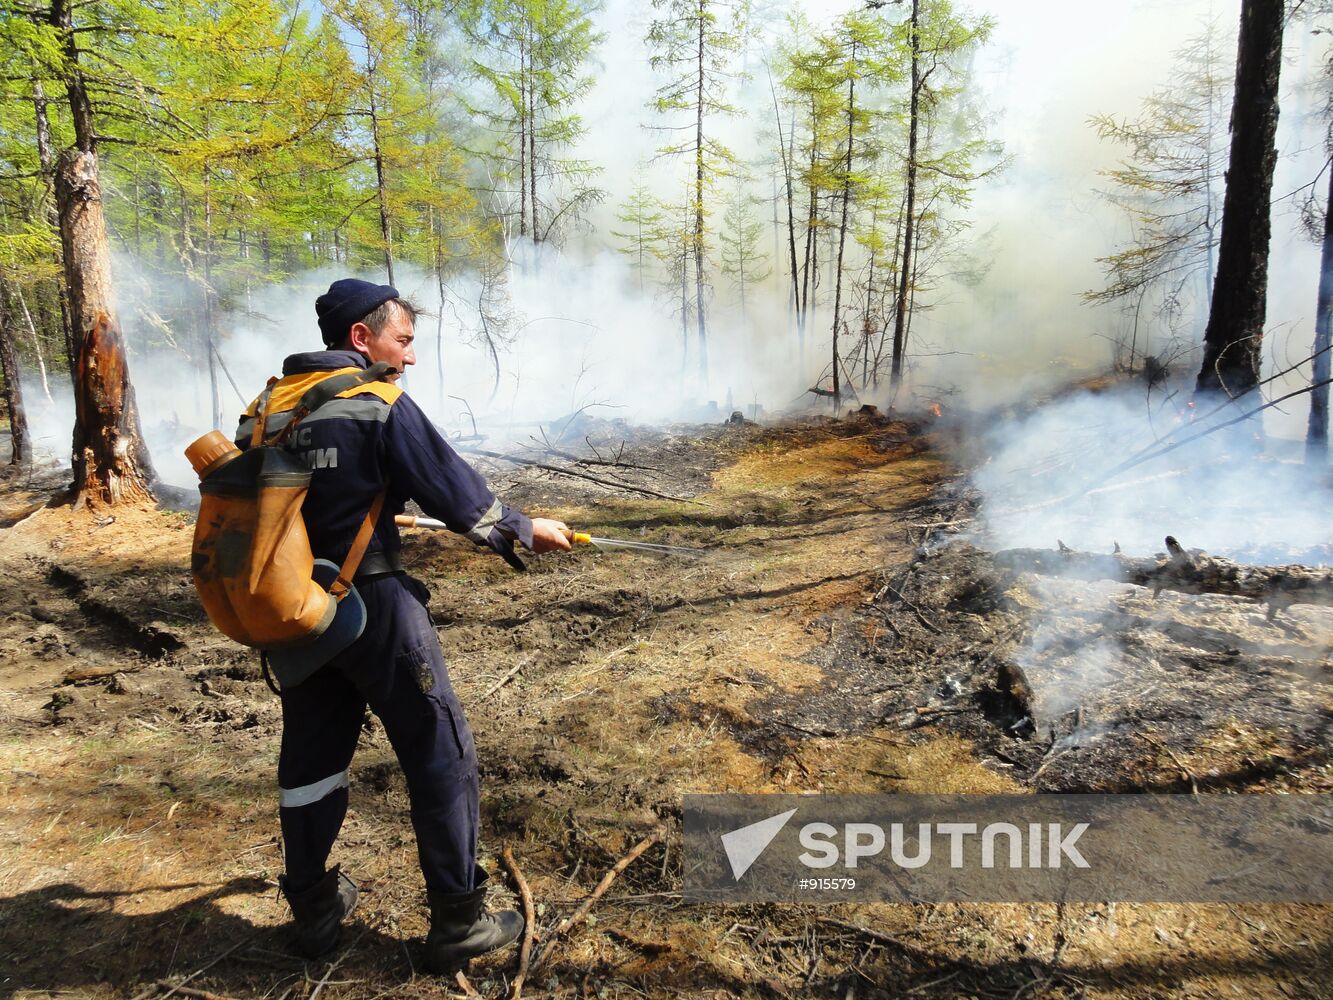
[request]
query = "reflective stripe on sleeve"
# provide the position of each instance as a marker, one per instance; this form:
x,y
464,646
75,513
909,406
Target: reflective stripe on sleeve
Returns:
x,y
307,794
481,531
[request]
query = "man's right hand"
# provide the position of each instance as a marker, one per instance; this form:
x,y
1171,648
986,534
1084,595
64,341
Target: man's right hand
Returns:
x,y
549,535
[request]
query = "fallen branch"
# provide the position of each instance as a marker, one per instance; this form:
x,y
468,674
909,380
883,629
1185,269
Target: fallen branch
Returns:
x,y
152,990
578,916
503,680
610,483
86,674
1189,572
333,966
529,920
570,456
464,985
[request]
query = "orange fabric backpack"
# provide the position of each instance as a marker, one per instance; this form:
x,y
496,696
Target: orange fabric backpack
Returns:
x,y
251,562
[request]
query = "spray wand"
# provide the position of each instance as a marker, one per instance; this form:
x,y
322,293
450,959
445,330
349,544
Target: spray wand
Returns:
x,y
575,537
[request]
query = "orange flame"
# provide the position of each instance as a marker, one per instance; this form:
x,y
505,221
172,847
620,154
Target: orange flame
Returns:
x,y
936,410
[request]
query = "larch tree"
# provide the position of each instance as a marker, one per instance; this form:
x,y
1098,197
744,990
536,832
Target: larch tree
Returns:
x,y
536,63
110,460
640,215
1233,340
742,258
389,121
861,42
946,151
693,42
1169,185
810,86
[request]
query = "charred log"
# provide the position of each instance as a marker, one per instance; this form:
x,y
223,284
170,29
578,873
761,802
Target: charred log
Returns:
x,y
1190,571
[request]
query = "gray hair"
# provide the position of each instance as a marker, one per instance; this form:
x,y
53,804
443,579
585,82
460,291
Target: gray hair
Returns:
x,y
379,317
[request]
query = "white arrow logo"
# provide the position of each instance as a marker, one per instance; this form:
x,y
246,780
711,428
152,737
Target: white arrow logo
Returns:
x,y
744,846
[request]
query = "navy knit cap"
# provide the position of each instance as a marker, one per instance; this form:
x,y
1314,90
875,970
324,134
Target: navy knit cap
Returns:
x,y
348,301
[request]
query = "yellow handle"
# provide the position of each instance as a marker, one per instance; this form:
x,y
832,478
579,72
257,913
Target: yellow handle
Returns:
x,y
580,538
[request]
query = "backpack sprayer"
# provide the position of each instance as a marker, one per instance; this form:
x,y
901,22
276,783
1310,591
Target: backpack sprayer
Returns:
x,y
575,538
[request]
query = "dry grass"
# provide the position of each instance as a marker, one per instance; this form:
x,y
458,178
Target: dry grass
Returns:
x,y
140,834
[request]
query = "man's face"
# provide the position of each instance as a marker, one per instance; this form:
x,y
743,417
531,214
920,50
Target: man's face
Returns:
x,y
393,344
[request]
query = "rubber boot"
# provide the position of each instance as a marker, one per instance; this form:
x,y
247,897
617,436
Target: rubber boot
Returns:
x,y
460,931
319,911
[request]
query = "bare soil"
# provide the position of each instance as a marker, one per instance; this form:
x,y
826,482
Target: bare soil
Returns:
x,y
826,640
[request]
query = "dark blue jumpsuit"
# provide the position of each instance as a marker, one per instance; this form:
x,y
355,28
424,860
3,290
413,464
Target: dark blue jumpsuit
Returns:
x,y
356,447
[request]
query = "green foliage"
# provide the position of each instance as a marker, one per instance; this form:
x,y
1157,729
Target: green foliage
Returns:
x,y
743,261
642,236
1170,183
534,58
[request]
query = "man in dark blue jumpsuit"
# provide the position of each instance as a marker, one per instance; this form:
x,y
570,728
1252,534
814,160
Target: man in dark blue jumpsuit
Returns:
x,y
371,439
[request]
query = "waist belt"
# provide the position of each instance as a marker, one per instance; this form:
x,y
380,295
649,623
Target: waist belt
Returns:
x,y
376,564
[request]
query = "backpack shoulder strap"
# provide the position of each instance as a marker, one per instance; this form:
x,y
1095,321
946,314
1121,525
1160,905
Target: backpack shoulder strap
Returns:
x,y
327,389
261,412
340,587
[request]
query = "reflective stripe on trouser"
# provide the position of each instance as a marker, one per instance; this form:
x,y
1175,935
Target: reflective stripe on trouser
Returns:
x,y
309,794
396,668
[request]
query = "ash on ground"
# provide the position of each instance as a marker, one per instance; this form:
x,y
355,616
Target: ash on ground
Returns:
x,y
1076,686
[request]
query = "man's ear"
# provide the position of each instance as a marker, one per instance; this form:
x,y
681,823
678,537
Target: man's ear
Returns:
x,y
359,336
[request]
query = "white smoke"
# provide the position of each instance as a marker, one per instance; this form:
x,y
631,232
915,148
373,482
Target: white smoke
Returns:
x,y
1052,476
583,336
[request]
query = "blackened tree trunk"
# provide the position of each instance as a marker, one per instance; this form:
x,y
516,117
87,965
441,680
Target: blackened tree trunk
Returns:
x,y
111,462
21,449
1233,341
909,219
1316,438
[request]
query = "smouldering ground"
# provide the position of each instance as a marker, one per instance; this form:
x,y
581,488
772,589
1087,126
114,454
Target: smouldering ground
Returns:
x,y
138,840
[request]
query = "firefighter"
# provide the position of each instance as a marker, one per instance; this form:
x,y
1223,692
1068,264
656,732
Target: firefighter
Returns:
x,y
359,444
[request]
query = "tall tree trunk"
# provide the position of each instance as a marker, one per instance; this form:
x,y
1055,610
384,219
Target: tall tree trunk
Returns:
x,y
46,158
532,142
684,309
1316,438
842,227
699,202
385,230
1233,341
803,300
110,460
210,331
21,449
867,327
909,221
791,219
522,138
36,342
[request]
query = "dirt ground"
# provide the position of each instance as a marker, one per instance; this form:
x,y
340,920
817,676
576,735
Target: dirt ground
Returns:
x,y
826,639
